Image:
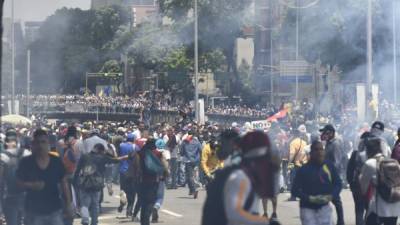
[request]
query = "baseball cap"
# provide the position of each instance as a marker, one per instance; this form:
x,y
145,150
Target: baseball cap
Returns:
x,y
130,137
378,125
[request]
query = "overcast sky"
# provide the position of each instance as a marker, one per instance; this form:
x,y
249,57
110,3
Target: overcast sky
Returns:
x,y
38,10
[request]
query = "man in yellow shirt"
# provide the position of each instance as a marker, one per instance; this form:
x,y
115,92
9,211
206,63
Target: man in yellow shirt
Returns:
x,y
297,156
209,160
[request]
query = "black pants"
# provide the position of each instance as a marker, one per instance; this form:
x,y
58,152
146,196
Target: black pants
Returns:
x,y
190,176
360,208
285,174
147,199
337,202
137,207
373,219
173,164
130,191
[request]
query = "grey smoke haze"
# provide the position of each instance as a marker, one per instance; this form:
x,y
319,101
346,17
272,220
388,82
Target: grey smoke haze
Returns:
x,y
348,38
38,10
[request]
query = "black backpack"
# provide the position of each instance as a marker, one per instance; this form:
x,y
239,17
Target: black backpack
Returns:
x,y
10,172
214,210
90,178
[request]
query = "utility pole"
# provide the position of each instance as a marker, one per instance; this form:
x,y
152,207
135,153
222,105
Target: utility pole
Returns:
x,y
297,49
196,64
28,83
12,59
369,49
125,73
271,69
394,6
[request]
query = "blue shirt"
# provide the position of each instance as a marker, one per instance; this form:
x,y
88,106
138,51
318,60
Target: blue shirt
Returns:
x,y
126,148
314,180
191,150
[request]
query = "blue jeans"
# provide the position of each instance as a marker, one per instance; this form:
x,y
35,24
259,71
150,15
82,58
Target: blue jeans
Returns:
x,y
181,174
14,209
55,218
160,195
90,206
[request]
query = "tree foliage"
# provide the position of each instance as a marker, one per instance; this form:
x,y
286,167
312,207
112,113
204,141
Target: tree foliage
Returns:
x,y
72,42
220,23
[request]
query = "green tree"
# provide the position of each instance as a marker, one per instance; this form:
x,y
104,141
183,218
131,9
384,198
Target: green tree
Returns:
x,y
72,42
220,23
111,66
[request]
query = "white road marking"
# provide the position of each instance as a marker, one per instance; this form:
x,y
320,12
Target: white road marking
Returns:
x,y
107,217
171,213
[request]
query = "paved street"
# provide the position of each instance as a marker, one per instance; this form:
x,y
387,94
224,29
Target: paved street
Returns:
x,y
180,209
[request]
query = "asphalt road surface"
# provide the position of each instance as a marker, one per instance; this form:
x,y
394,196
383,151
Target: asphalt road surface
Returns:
x,y
181,209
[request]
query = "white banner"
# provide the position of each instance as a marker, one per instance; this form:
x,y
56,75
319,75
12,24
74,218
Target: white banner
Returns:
x,y
260,125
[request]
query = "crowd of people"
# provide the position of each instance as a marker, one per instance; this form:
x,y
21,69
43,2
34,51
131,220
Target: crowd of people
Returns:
x,y
133,104
242,110
55,173
100,103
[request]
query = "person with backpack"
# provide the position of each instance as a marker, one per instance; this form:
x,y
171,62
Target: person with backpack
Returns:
x,y
160,144
378,130
70,155
127,185
89,176
12,197
316,184
149,166
334,155
356,162
380,184
396,149
233,197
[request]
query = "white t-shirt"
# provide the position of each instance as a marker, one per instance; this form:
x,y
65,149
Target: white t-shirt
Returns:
x,y
236,192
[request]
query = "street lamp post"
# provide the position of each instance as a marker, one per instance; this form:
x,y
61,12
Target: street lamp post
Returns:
x,y
196,63
28,83
297,49
369,48
394,6
12,59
